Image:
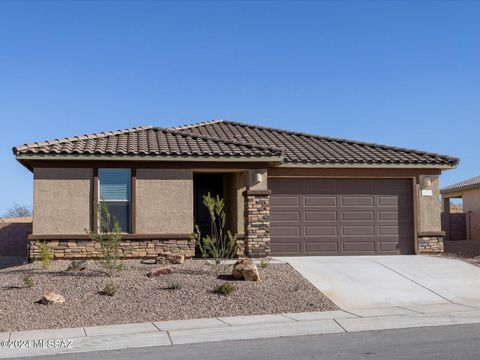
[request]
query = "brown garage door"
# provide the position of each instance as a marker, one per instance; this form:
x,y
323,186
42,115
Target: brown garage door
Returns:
x,y
341,216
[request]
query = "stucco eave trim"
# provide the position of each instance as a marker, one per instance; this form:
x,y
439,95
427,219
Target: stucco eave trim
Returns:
x,y
366,166
56,157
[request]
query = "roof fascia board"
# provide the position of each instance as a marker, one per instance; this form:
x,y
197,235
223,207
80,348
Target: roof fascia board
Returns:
x,y
368,166
151,158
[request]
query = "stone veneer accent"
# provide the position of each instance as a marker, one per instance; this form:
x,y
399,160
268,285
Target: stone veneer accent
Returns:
x,y
431,243
138,248
257,223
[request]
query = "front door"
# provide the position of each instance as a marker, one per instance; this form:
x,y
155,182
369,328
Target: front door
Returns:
x,y
204,184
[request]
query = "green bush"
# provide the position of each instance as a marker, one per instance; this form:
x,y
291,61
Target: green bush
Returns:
x,y
109,237
224,289
28,281
109,290
264,264
46,255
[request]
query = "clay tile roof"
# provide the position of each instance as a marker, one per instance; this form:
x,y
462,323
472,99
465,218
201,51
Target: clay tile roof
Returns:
x,y
148,141
313,149
220,138
473,183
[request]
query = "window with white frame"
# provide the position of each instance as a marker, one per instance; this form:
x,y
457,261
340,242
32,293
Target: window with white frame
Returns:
x,y
115,191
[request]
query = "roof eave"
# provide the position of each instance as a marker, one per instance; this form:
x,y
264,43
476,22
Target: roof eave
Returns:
x,y
23,158
367,166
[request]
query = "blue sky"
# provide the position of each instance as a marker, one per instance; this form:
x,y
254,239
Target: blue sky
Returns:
x,y
399,73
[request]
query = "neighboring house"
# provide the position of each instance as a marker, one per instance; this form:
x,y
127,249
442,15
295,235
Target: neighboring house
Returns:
x,y
286,193
466,225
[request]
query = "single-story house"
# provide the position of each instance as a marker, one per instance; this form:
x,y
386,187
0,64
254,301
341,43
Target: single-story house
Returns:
x,y
286,193
466,225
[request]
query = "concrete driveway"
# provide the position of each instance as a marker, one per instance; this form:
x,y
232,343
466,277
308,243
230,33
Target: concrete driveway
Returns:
x,y
356,282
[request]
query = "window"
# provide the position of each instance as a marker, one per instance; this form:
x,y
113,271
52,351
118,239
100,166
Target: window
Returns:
x,y
115,191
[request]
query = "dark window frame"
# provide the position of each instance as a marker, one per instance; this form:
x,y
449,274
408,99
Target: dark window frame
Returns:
x,y
96,192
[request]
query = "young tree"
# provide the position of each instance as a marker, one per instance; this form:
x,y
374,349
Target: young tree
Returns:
x,y
220,244
109,236
18,210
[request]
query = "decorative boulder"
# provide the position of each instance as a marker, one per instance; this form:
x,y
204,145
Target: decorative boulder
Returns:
x,y
52,298
160,271
245,269
78,265
171,259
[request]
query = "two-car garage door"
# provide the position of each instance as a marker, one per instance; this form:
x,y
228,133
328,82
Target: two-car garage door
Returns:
x,y
341,216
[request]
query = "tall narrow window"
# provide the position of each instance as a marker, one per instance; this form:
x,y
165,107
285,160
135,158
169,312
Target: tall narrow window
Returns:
x,y
115,191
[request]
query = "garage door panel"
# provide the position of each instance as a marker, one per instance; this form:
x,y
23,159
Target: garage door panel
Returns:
x,y
320,230
282,216
321,247
284,231
285,201
358,246
320,216
285,248
313,201
341,216
358,230
358,215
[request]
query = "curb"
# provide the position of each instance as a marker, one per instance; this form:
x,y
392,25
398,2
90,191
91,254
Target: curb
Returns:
x,y
164,333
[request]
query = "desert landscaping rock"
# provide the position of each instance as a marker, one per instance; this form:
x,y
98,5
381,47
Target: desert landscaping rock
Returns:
x,y
466,250
143,299
245,269
170,259
51,298
166,270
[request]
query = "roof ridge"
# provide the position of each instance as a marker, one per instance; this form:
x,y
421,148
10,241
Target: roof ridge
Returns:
x,y
98,135
327,138
200,123
213,138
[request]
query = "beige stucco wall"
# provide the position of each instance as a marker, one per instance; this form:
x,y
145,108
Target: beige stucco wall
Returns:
x,y
235,201
471,200
253,184
164,201
61,200
429,207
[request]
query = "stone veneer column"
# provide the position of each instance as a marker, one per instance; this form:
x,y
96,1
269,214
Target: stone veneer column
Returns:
x,y
430,242
257,223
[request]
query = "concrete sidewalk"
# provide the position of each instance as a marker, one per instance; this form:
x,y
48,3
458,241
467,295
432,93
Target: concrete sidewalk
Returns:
x,y
165,333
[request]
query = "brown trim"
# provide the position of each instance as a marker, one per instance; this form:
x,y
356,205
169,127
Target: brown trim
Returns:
x,y
415,214
239,236
431,233
133,201
124,236
146,164
95,201
256,192
344,172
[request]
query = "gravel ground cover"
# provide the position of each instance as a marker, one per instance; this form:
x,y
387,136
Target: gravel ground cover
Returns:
x,y
466,250
140,298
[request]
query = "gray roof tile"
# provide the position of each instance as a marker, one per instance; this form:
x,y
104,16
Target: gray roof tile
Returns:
x,y
307,148
473,183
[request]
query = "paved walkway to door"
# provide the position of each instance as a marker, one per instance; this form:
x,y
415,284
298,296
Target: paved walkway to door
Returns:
x,y
357,282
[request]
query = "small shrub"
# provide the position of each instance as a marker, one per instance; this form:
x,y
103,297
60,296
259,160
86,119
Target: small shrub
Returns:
x,y
297,287
109,237
224,289
264,264
109,290
174,286
46,255
28,281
